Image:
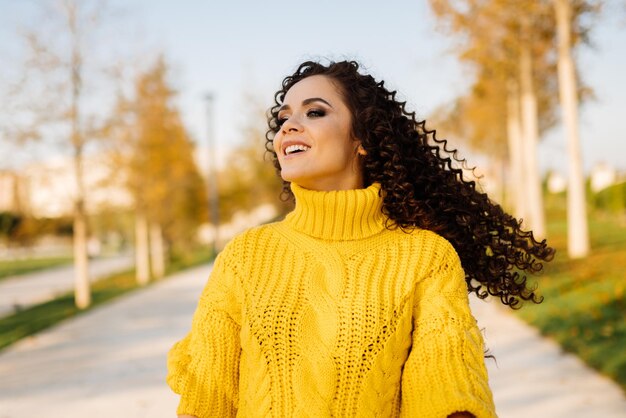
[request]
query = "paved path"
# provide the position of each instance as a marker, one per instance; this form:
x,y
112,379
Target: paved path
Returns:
x,y
40,286
110,362
107,363
533,377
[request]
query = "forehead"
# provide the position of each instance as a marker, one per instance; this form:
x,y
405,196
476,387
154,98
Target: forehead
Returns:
x,y
313,86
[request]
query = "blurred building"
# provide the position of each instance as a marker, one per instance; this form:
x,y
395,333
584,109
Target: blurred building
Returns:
x,y
239,222
48,189
556,182
11,192
602,176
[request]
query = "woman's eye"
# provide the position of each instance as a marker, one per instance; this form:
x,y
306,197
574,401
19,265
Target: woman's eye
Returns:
x,y
315,113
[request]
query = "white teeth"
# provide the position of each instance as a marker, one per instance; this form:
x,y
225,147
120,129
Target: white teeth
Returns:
x,y
298,147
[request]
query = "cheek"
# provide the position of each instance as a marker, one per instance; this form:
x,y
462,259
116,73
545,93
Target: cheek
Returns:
x,y
338,146
276,142
339,154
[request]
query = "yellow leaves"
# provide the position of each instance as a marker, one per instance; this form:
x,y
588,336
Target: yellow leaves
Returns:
x,y
157,158
490,35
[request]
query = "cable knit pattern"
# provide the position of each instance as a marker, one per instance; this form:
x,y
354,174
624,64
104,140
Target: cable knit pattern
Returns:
x,y
329,314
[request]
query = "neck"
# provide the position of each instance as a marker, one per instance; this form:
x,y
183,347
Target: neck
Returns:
x,y
339,214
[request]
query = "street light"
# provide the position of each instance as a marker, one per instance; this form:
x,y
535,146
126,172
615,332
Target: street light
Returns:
x,y
212,173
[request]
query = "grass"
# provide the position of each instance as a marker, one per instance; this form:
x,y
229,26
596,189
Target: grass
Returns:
x,y
15,267
39,317
585,300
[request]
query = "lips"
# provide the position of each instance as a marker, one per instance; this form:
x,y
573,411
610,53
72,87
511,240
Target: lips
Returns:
x,y
291,142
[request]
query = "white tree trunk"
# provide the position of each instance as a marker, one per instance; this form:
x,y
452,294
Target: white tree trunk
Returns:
x,y
530,131
577,227
516,152
157,253
142,260
82,292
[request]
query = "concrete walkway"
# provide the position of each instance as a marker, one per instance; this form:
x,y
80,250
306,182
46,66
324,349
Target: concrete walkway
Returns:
x,y
110,362
19,292
533,377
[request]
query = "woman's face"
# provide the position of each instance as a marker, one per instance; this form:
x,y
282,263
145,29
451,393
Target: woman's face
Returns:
x,y
314,145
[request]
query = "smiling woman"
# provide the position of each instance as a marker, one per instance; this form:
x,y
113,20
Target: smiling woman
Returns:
x,y
356,304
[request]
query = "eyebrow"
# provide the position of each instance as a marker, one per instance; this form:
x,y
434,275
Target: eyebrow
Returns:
x,y
305,102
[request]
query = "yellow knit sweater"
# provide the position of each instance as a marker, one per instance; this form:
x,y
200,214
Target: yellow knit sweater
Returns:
x,y
328,313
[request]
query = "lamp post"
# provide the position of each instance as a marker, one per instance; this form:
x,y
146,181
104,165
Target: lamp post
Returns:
x,y
212,174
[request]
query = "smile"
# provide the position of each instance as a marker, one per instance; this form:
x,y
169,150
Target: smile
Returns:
x,y
296,149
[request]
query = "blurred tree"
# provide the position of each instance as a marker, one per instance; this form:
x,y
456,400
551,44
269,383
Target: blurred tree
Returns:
x,y
249,179
50,102
23,230
510,45
9,222
479,120
18,228
155,155
492,43
578,229
113,226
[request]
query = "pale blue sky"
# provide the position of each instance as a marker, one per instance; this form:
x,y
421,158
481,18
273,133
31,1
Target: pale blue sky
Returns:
x,y
236,47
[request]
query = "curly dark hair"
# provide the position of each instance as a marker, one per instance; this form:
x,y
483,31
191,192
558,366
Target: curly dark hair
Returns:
x,y
423,188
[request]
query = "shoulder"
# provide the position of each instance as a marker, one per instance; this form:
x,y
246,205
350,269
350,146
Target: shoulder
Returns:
x,y
248,243
251,235
441,270
430,244
434,256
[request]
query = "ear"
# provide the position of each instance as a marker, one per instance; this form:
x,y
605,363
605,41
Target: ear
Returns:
x,y
360,150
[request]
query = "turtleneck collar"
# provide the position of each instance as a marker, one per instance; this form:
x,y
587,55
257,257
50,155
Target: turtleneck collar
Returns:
x,y
339,214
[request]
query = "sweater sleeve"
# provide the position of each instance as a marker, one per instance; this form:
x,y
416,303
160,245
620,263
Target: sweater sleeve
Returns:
x,y
203,368
445,371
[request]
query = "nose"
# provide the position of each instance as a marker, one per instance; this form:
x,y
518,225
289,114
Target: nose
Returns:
x,y
292,124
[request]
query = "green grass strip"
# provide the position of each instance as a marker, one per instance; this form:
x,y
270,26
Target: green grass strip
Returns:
x,y
10,268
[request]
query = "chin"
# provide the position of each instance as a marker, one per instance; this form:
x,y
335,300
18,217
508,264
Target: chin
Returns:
x,y
292,177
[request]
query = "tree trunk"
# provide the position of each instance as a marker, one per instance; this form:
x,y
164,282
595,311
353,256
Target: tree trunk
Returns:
x,y
516,153
157,253
577,227
82,292
530,131
142,260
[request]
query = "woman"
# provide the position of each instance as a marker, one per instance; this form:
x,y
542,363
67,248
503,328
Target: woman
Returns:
x,y
356,304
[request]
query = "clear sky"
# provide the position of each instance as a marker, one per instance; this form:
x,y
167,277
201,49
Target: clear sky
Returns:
x,y
236,49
